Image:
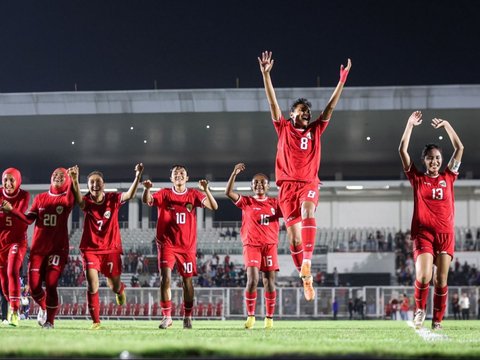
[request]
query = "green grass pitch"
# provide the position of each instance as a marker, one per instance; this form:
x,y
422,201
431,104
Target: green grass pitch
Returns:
x,y
305,338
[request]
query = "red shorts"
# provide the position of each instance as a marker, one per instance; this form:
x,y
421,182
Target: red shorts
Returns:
x,y
292,195
50,262
14,254
432,243
187,262
263,257
109,264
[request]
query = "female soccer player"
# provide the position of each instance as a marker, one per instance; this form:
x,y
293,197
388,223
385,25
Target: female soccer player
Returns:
x,y
49,251
101,245
13,240
177,237
259,234
433,217
296,167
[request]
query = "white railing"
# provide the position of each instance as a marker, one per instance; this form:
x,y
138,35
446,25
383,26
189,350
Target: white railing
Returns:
x,y
228,303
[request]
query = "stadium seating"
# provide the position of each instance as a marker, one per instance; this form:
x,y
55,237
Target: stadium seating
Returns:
x,y
213,240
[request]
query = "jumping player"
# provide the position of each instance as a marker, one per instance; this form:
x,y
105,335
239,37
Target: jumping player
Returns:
x,y
13,240
259,233
296,168
433,217
177,237
49,251
101,245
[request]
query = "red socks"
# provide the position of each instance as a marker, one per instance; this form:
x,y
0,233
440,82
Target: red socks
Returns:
x,y
439,303
421,293
40,299
251,302
166,308
309,231
270,298
297,255
94,306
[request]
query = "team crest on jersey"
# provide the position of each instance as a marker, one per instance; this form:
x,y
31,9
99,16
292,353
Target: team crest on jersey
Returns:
x,y
59,209
107,214
443,183
309,135
273,211
189,207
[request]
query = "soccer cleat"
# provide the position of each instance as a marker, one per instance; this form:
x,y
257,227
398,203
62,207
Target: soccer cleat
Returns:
x,y
5,322
308,289
14,317
250,322
48,326
121,298
166,323
305,270
96,326
437,326
307,278
187,323
41,316
419,318
268,323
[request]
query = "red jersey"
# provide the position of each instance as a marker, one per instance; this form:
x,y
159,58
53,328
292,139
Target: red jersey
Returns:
x,y
101,232
177,218
12,229
259,220
434,202
298,151
51,226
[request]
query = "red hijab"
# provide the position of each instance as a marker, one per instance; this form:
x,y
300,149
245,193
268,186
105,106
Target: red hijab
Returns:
x,y
18,179
66,185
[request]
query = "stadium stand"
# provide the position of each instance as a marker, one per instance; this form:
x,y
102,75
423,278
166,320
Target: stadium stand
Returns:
x,y
213,240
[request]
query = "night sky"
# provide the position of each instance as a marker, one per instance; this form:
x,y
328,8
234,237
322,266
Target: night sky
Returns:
x,y
129,45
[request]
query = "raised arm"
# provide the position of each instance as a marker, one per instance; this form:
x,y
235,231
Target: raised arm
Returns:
x,y
266,64
332,103
26,218
130,193
147,197
74,172
231,182
414,120
456,159
210,202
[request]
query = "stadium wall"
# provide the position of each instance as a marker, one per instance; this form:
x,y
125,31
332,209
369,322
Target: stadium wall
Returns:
x,y
383,213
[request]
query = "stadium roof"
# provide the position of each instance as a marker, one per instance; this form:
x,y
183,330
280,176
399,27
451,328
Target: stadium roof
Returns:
x,y
211,130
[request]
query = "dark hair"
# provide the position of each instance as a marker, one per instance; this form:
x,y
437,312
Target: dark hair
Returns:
x,y
179,167
96,172
261,174
300,101
429,147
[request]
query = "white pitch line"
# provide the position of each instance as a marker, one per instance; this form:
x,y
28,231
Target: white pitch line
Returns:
x,y
427,334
